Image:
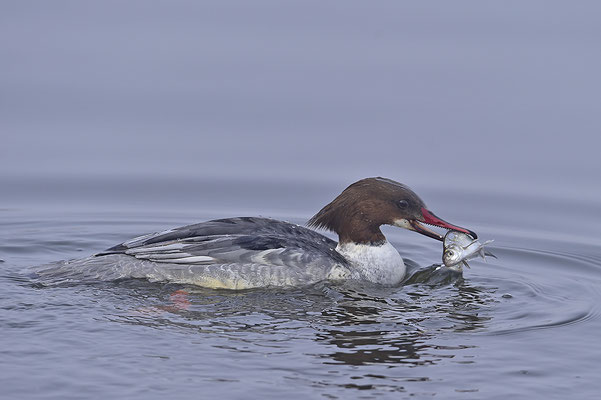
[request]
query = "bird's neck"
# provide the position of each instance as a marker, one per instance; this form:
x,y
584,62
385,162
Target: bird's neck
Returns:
x,y
378,263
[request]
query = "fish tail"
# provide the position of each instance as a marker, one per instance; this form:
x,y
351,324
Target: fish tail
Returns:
x,y
488,253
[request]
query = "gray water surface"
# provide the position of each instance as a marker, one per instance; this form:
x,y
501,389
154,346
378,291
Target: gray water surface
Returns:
x,y
529,318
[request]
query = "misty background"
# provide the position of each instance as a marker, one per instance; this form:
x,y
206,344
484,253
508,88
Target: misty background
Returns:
x,y
500,96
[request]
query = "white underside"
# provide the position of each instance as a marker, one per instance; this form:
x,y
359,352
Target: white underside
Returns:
x,y
378,264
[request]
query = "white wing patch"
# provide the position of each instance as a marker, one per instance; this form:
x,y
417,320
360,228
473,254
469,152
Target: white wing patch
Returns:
x,y
160,248
174,253
187,259
260,257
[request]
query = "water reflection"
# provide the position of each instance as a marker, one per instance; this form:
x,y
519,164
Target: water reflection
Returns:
x,y
351,326
401,331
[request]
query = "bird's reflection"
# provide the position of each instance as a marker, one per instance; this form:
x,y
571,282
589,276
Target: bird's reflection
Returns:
x,y
352,325
371,330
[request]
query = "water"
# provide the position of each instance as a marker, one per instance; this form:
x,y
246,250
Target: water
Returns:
x,y
123,118
530,317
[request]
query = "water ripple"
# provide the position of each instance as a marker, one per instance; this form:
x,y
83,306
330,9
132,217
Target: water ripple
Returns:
x,y
330,336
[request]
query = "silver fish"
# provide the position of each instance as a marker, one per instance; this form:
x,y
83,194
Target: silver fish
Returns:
x,y
460,247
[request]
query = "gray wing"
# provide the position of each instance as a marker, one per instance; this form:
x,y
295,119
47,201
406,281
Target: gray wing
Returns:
x,y
242,240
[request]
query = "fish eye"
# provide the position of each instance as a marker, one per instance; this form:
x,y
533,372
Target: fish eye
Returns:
x,y
403,204
450,253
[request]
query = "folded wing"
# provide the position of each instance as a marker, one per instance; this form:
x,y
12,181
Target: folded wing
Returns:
x,y
235,240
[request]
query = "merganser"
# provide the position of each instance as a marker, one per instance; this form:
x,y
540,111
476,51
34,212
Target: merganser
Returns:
x,y
250,252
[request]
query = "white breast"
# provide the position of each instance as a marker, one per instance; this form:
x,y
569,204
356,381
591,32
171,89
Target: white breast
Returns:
x,y
379,264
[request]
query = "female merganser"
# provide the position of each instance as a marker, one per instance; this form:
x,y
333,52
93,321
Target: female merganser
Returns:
x,y
247,252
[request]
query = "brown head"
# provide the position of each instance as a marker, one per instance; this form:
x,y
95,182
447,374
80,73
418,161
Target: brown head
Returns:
x,y
358,212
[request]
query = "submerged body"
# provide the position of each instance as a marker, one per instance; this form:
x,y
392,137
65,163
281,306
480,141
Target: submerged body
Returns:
x,y
248,252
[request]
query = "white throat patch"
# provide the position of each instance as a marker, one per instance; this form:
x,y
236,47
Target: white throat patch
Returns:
x,y
379,264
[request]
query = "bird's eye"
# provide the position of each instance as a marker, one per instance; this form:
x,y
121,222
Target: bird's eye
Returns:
x,y
403,204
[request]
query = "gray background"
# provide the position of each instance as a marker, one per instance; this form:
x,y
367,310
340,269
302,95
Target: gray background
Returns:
x,y
498,95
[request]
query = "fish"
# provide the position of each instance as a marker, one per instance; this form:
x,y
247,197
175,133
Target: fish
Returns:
x,y
459,247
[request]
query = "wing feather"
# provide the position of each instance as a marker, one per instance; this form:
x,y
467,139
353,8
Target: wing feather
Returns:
x,y
235,240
